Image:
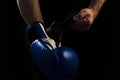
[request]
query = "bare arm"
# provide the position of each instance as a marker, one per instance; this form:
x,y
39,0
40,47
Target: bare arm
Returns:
x,y
30,10
96,5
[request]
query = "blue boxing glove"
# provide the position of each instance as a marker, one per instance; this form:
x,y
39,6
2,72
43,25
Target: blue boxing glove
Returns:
x,y
56,63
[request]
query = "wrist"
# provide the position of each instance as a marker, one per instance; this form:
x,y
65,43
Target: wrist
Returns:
x,y
96,6
94,12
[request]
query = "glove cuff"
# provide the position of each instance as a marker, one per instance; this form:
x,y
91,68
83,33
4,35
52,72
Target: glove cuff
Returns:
x,y
36,30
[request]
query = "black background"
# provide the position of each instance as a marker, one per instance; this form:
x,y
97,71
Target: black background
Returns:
x,y
98,48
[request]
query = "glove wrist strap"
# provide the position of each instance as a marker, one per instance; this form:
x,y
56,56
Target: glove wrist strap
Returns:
x,y
40,29
35,31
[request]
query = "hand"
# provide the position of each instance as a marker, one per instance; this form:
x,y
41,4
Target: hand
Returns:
x,y
84,19
56,63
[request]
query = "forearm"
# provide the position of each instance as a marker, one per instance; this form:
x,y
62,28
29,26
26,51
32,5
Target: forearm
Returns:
x,y
30,10
96,5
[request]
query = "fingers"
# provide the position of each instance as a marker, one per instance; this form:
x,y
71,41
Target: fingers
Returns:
x,y
84,13
77,17
81,18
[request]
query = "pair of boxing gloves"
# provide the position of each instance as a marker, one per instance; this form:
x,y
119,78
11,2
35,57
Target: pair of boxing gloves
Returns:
x,y
56,62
